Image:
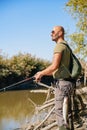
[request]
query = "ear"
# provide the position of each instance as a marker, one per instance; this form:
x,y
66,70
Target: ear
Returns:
x,y
60,33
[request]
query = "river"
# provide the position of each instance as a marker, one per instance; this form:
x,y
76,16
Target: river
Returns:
x,y
16,109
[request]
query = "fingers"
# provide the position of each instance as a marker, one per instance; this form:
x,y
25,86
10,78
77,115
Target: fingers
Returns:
x,y
38,76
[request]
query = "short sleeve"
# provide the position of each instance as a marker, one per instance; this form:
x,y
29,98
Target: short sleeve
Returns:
x,y
59,48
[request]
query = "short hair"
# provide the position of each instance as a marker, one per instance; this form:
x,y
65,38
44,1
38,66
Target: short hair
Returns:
x,y
62,29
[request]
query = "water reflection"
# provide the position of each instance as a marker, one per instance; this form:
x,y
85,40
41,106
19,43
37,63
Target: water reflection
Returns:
x,y
16,109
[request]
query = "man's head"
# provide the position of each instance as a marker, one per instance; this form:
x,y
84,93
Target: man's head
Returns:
x,y
57,33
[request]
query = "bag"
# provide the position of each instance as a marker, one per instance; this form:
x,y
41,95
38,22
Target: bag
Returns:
x,y
75,66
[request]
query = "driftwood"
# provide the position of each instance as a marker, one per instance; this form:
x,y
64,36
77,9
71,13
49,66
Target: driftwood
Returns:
x,y
44,85
45,106
48,104
50,126
48,101
39,91
45,119
81,90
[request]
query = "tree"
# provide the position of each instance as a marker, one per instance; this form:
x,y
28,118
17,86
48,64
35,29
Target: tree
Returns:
x,y
78,9
19,67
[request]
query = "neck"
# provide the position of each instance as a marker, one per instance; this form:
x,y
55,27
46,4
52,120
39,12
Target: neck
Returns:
x,y
60,40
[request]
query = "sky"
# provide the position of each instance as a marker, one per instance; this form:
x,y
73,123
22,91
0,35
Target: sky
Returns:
x,y
26,25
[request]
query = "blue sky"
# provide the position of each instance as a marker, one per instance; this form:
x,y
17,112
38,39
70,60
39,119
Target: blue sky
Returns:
x,y
25,26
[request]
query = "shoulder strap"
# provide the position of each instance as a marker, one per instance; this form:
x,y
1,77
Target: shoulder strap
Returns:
x,y
69,49
67,46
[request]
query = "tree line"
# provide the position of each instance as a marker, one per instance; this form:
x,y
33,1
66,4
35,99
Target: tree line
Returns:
x,y
19,67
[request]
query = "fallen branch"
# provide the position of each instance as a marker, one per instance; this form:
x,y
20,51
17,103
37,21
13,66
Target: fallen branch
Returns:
x,y
45,106
48,101
50,126
44,119
32,102
44,85
81,90
39,91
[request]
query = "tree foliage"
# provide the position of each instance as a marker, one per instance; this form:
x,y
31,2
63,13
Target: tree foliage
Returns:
x,y
19,67
78,45
78,9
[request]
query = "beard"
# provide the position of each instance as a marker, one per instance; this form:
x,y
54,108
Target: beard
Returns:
x,y
55,38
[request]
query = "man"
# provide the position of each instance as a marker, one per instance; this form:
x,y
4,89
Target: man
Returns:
x,y
58,68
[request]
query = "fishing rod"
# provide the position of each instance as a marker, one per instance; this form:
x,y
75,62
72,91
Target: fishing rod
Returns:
x,y
18,83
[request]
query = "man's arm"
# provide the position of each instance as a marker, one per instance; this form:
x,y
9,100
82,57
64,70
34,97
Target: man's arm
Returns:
x,y
50,69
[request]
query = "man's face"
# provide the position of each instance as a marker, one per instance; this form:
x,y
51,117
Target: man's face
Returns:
x,y
55,34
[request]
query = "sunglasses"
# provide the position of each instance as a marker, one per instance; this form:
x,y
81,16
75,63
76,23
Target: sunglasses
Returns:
x,y
53,32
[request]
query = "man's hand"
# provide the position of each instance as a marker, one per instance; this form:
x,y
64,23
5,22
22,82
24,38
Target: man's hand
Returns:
x,y
38,76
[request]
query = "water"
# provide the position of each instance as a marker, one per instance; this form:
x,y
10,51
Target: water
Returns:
x,y
16,109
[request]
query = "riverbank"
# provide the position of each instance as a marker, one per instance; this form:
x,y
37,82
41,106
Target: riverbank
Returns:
x,y
48,121
50,124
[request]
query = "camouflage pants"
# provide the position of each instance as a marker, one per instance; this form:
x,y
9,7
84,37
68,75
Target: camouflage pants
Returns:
x,y
62,89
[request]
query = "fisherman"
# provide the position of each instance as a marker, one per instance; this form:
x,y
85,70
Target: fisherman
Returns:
x,y
63,86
